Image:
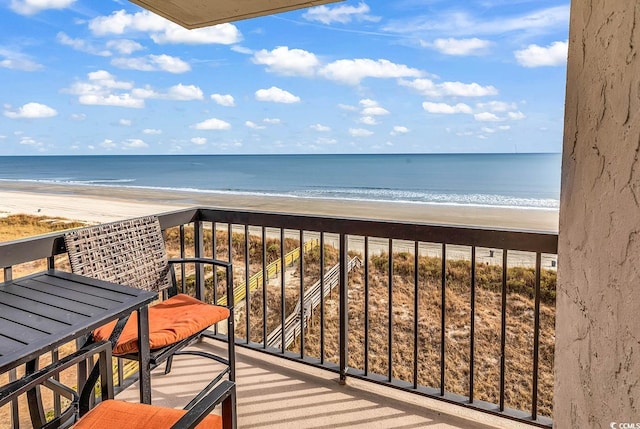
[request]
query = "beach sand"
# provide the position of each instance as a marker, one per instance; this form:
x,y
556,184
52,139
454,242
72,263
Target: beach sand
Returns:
x,y
102,204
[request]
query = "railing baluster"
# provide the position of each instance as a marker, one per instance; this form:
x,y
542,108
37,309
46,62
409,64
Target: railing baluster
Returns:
x,y
366,305
282,292
214,252
443,302
264,287
472,338
301,266
416,265
182,265
344,310
503,328
247,292
198,249
390,315
536,340
322,300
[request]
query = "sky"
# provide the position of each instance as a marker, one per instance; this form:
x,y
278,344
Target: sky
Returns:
x,y
87,77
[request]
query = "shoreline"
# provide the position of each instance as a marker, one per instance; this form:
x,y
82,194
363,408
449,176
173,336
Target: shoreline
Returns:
x,y
106,203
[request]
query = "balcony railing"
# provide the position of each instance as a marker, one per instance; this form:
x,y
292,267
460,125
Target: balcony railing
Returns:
x,y
465,315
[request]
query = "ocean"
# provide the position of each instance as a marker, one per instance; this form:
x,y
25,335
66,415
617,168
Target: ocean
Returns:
x,y
529,181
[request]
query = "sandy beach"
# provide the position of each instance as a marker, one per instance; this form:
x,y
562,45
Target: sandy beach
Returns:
x,y
102,204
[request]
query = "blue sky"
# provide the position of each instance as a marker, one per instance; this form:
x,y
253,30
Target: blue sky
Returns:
x,y
373,76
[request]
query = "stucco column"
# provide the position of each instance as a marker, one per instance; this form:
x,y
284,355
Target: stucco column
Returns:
x,y
597,361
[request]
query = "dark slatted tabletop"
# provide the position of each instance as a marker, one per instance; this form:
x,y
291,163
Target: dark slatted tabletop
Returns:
x,y
45,310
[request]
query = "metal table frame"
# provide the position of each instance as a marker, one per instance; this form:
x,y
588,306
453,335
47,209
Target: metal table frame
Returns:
x,y
45,310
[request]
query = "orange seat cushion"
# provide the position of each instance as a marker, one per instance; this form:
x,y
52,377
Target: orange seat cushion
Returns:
x,y
170,321
124,415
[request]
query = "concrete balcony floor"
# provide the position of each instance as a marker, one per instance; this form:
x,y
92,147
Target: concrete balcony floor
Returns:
x,y
277,393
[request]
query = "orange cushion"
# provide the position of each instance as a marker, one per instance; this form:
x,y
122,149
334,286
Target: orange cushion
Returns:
x,y
124,415
170,321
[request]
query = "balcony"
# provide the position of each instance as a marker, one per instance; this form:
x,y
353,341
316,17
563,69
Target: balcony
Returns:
x,y
376,347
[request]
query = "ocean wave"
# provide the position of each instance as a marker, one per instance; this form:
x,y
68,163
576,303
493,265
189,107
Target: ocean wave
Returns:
x,y
349,194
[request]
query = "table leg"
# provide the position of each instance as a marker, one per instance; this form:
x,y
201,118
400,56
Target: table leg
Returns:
x,y
34,400
143,347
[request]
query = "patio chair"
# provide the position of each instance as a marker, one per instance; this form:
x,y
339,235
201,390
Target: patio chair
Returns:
x,y
132,252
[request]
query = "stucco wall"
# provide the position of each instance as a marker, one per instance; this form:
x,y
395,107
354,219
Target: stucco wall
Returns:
x,y
598,309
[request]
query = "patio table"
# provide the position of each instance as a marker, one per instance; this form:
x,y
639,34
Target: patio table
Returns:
x,y
45,310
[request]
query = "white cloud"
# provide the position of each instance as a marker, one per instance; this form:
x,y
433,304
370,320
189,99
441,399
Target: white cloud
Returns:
x,y
276,95
185,92
125,122
17,61
326,140
78,116
353,71
152,131
223,99
320,128
117,100
253,125
347,107
375,111
446,108
342,14
488,130
124,46
461,47
273,121
31,111
504,127
102,88
516,115
134,144
496,106
428,88
31,7
221,34
81,45
399,129
368,120
487,117
161,30
287,62
153,63
199,141
30,141
108,144
554,54
456,23
360,132
213,124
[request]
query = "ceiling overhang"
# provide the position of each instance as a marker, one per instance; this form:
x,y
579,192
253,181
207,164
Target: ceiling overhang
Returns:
x,y
202,13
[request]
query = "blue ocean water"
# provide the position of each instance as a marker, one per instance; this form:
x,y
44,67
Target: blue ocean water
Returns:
x,y
512,180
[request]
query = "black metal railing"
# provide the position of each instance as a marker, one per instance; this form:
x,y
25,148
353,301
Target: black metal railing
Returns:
x,y
465,315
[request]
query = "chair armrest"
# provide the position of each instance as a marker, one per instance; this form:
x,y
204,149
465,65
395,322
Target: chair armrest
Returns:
x,y
227,265
222,393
